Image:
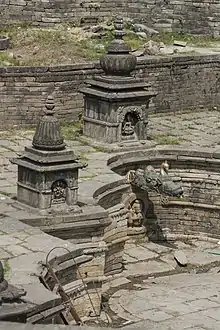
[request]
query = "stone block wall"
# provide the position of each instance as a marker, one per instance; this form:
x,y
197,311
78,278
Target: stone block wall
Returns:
x,y
199,210
115,237
197,213
80,274
23,91
181,83
199,17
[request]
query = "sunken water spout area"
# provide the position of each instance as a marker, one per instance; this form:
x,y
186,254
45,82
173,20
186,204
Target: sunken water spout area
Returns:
x,y
194,179
153,215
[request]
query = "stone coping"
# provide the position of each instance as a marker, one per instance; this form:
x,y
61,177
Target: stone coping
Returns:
x,y
170,153
81,68
113,179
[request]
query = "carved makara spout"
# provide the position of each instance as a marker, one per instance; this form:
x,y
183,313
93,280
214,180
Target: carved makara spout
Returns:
x,y
148,179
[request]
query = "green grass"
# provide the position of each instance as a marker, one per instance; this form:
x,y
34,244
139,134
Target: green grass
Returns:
x,y
71,130
68,44
6,59
164,139
7,269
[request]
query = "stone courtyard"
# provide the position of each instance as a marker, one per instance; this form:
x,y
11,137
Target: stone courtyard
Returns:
x,y
153,291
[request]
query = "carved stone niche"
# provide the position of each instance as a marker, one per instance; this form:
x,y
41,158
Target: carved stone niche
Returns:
x,y
137,206
59,192
133,122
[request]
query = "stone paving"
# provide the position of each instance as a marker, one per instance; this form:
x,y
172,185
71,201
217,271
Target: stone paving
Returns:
x,y
189,130
21,246
146,298
173,302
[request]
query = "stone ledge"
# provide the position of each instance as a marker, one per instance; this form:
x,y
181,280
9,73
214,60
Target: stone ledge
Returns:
x,y
208,155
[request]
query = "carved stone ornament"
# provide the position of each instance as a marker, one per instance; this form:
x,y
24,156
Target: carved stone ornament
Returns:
x,y
118,61
137,110
59,192
136,206
136,213
149,180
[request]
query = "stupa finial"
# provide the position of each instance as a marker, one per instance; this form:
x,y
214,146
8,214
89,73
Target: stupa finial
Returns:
x,y
48,134
118,61
119,27
49,105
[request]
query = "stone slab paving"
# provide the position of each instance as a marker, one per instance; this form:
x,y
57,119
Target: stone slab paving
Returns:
x,y
173,302
188,299
200,129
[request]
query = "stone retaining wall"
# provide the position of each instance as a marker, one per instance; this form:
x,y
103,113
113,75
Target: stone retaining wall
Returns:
x,y
181,83
199,17
115,237
197,171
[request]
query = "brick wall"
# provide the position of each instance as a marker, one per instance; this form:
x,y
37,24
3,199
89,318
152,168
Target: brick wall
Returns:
x,y
181,83
200,17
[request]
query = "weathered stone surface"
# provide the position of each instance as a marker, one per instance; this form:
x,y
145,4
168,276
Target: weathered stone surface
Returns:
x,y
180,257
201,258
146,268
139,253
118,282
122,116
191,17
184,301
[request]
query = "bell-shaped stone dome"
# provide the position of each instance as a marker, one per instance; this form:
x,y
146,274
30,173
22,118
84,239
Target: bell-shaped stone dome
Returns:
x,y
118,61
48,134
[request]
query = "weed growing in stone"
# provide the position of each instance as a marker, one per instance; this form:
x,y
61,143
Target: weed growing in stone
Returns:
x,y
71,129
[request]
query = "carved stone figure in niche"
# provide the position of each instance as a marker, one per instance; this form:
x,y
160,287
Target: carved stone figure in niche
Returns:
x,y
136,210
129,123
148,179
59,192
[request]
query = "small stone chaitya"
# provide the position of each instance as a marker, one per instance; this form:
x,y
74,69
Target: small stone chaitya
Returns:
x,y
48,171
116,104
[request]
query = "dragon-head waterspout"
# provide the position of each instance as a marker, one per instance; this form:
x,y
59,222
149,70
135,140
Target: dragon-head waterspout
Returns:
x,y
148,179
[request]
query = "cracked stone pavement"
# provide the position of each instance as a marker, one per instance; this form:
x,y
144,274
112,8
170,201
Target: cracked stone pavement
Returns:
x,y
185,298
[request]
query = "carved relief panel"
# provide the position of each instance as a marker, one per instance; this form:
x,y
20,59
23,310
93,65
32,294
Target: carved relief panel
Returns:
x,y
59,192
130,119
137,206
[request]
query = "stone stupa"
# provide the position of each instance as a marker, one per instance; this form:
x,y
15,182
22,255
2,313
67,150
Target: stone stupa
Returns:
x,y
47,170
116,103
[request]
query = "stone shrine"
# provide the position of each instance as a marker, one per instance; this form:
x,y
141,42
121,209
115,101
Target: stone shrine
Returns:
x,y
116,103
48,171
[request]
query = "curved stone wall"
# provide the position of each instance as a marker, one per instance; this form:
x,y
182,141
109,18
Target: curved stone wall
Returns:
x,y
181,83
200,17
196,214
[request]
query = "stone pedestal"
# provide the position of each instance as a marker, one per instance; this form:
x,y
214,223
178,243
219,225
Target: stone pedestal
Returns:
x,y
47,180
47,171
116,104
116,110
